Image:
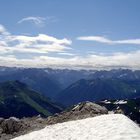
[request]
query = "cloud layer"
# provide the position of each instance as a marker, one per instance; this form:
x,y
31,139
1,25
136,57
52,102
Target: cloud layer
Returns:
x,y
117,60
41,43
14,51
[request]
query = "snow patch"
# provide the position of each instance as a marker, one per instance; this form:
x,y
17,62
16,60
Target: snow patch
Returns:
x,y
104,127
106,102
122,75
135,91
118,107
15,96
120,102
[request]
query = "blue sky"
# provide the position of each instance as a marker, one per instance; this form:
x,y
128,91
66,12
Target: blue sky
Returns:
x,y
62,33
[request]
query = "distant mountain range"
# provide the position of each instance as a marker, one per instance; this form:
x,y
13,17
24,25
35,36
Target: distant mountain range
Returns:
x,y
46,81
16,99
98,89
69,87
35,78
124,74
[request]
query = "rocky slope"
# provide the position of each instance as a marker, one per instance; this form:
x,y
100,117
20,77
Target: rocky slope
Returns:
x,y
79,111
14,127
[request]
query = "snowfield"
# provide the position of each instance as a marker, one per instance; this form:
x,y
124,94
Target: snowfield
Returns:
x,y
104,127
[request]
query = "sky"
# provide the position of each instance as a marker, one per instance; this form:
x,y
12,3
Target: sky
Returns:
x,y
87,34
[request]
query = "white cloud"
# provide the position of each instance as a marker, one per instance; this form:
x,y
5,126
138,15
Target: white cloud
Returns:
x,y
102,39
68,54
2,29
36,20
41,43
116,60
39,21
44,38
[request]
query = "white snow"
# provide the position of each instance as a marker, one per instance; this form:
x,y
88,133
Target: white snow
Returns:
x,y
104,127
118,107
122,75
106,102
135,90
47,71
15,96
120,102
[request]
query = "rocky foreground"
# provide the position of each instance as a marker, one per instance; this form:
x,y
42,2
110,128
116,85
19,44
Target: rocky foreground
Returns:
x,y
13,127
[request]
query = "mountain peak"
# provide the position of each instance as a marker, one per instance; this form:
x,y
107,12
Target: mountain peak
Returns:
x,y
90,106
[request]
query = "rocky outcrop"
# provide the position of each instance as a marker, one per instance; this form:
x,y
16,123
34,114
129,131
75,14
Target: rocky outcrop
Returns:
x,y
12,125
79,111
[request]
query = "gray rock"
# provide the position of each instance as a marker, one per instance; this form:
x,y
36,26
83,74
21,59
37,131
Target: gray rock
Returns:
x,y
89,107
1,120
79,111
11,125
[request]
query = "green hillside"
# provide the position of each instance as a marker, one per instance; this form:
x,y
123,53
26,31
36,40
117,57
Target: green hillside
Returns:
x,y
16,99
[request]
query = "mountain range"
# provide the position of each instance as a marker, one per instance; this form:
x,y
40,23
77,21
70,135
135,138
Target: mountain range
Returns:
x,y
17,99
50,82
99,89
47,81
46,89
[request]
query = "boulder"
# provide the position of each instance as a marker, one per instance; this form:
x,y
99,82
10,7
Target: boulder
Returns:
x,y
11,125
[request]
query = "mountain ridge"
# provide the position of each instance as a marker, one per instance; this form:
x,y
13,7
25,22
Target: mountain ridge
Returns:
x,y
16,99
98,89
